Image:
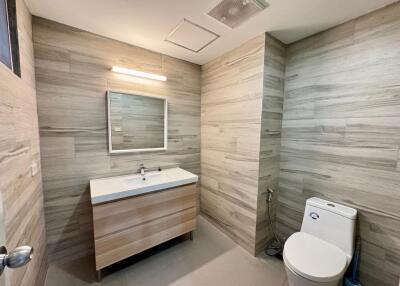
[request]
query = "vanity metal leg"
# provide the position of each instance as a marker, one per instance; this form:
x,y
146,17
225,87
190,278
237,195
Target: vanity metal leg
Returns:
x,y
98,275
191,235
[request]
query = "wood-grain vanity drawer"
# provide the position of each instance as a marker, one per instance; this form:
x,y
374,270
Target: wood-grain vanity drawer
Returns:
x,y
126,227
120,215
120,245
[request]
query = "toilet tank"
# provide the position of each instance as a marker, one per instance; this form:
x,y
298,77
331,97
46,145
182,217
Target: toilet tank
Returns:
x,y
330,222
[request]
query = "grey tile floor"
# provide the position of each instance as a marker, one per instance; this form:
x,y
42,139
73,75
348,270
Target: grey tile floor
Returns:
x,y
210,259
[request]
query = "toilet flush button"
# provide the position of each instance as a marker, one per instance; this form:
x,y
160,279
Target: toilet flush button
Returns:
x,y
314,215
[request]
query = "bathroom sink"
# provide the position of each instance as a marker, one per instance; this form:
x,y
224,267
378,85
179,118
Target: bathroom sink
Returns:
x,y
115,188
139,181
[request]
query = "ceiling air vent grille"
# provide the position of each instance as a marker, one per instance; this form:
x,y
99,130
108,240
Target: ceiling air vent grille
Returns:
x,y
234,12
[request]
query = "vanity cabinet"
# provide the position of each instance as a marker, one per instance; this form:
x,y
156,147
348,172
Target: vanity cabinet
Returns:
x,y
131,225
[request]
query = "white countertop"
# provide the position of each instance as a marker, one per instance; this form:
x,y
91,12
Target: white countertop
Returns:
x,y
114,188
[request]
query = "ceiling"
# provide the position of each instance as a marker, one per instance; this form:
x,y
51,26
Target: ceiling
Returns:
x,y
147,23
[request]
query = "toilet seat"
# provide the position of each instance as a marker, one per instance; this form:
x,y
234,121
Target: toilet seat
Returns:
x,y
314,258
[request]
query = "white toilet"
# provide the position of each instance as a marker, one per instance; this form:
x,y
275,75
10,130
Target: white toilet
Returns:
x,y
321,252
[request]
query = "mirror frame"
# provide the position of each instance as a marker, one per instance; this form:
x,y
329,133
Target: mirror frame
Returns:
x,y
120,151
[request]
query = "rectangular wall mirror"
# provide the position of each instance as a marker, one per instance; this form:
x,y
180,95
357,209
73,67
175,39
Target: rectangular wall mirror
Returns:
x,y
136,122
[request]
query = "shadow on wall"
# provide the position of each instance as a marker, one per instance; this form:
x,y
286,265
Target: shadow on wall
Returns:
x,y
293,32
76,236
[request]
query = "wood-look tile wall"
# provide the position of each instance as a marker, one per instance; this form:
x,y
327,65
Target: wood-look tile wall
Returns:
x,y
73,75
19,148
242,98
270,141
231,105
341,134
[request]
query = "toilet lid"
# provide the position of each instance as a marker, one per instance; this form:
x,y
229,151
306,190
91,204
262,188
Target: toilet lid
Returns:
x,y
313,258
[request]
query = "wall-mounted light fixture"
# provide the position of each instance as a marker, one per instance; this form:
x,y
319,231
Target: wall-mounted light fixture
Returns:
x,y
138,73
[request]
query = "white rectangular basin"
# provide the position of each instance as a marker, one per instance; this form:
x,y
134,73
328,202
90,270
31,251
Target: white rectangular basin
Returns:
x,y
115,188
138,180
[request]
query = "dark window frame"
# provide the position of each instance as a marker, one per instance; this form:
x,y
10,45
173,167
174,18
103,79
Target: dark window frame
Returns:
x,y
13,35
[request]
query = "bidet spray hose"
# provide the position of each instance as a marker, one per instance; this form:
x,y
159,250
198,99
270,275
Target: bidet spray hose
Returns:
x,y
270,192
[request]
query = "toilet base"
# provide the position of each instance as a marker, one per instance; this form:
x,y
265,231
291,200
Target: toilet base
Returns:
x,y
296,280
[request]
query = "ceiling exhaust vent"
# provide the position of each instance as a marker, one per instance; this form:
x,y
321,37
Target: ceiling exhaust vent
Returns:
x,y
234,12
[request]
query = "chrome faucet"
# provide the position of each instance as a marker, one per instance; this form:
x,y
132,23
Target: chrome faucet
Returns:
x,y
142,169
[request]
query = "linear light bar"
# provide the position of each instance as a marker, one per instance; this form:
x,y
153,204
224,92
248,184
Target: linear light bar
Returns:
x,y
138,73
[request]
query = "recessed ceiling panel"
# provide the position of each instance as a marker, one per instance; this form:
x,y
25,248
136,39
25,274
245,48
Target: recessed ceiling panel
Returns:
x,y
234,12
191,36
